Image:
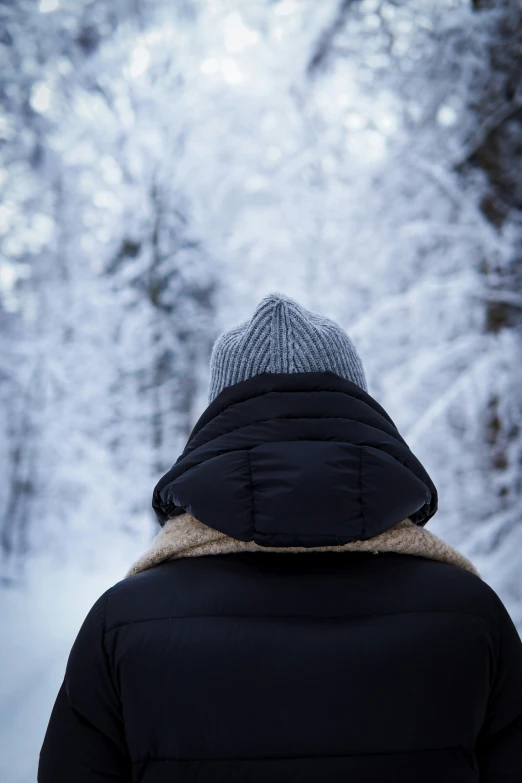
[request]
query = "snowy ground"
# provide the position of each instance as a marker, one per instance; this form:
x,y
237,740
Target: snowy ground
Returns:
x,y
39,624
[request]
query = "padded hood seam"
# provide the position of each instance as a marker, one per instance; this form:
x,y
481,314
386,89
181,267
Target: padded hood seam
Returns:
x,y
319,390
281,418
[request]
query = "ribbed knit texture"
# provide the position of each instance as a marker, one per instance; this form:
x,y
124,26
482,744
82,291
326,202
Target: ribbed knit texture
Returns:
x,y
284,337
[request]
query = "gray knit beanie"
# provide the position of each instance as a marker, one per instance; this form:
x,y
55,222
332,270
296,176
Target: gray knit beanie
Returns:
x,y
282,336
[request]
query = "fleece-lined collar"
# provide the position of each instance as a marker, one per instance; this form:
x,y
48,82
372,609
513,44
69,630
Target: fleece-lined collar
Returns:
x,y
186,536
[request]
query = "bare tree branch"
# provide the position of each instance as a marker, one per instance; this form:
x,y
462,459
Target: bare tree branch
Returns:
x,y
325,41
498,296
485,130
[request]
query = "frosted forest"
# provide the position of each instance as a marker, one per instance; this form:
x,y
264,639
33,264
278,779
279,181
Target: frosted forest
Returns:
x,y
166,164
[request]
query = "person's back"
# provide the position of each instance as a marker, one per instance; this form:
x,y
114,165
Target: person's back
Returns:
x,y
293,621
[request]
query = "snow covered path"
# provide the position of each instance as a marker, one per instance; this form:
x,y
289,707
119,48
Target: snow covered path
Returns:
x,y
39,624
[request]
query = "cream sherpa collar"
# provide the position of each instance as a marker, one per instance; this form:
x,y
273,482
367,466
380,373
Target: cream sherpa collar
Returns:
x,y
186,536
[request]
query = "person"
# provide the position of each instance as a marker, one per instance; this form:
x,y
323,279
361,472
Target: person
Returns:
x,y
293,620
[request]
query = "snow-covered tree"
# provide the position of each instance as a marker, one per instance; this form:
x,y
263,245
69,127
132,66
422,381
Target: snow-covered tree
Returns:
x,y
164,165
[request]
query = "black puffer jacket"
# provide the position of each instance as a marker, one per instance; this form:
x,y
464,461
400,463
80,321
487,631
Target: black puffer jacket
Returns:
x,y
283,667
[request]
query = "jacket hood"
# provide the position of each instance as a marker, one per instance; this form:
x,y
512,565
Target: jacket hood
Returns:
x,y
296,459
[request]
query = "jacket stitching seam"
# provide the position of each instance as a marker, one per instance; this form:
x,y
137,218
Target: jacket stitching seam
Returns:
x,y
317,757
108,661
363,513
297,617
335,537
252,512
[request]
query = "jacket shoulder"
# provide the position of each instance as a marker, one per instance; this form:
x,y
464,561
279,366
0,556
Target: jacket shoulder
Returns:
x,y
147,595
449,587
249,583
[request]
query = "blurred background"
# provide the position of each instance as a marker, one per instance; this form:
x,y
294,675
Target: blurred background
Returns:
x,y
163,165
